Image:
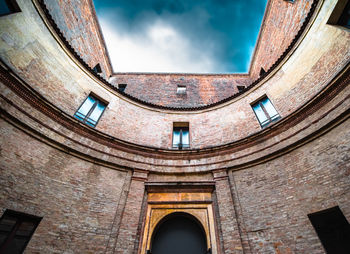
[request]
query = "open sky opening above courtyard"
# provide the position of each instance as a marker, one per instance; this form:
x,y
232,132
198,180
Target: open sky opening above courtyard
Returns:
x,y
180,36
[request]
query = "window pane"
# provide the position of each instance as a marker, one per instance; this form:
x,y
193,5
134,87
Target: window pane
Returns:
x,y
95,115
15,231
259,113
16,245
344,19
87,105
185,137
269,107
6,225
176,137
25,228
4,9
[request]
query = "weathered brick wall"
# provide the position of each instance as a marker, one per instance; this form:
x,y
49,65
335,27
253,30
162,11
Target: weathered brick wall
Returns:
x,y
38,59
79,25
282,22
83,202
275,198
78,200
201,90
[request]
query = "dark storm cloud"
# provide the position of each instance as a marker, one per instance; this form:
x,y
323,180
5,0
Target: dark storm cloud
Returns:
x,y
225,29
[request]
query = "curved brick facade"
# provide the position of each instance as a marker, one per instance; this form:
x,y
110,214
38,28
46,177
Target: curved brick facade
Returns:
x,y
253,186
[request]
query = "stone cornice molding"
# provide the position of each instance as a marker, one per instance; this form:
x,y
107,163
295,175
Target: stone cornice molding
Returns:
x,y
37,101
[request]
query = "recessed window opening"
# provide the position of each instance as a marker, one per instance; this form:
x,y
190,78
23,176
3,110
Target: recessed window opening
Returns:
x,y
97,68
333,230
16,229
265,111
91,110
341,14
181,137
181,89
262,72
344,19
240,88
8,7
121,87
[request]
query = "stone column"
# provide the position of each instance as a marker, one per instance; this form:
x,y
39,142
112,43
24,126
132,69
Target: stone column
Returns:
x,y
131,216
229,226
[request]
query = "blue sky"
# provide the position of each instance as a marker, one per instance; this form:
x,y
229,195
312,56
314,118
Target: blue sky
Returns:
x,y
186,36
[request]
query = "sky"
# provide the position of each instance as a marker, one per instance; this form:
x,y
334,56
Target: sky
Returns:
x,y
180,36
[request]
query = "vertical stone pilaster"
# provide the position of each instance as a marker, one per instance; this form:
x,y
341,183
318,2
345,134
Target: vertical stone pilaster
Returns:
x,y
130,219
229,227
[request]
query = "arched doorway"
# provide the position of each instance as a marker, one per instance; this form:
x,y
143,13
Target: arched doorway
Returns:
x,y
179,233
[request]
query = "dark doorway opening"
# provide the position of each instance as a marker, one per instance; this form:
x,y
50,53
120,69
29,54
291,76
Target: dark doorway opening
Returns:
x,y
179,233
333,230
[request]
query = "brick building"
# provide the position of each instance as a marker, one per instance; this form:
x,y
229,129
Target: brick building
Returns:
x,y
257,162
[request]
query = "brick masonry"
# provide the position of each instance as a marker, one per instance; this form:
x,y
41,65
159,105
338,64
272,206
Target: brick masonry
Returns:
x,y
77,199
274,198
77,20
90,192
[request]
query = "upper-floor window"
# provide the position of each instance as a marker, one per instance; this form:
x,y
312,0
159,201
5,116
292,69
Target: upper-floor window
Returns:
x,y
91,110
333,230
8,7
97,68
181,89
16,229
122,87
265,111
341,14
240,88
344,19
181,136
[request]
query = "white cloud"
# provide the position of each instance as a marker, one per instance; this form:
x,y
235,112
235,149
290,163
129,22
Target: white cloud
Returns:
x,y
159,48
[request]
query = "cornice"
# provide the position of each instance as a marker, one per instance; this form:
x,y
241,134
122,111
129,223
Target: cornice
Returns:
x,y
23,90
49,21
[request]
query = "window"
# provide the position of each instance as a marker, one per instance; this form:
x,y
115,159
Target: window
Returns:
x,y
333,230
341,14
240,88
121,87
262,72
265,111
8,7
344,19
181,89
90,111
97,68
181,137
16,229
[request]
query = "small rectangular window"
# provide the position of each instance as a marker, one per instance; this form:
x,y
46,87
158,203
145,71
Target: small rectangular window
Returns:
x,y
344,19
333,230
16,229
8,7
97,68
121,87
90,111
240,88
265,111
181,136
341,14
181,89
